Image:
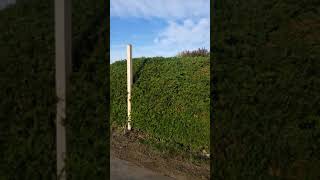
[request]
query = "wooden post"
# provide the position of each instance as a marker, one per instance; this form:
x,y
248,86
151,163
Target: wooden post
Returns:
x,y
63,70
129,82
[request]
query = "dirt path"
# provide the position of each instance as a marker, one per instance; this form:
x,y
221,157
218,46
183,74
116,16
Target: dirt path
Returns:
x,y
126,146
121,170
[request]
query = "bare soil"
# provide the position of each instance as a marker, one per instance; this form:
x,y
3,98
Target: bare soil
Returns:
x,y
127,146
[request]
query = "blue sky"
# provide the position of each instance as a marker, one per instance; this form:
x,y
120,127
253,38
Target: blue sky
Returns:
x,y
158,27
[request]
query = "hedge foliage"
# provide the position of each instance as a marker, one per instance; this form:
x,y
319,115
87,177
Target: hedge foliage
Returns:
x,y
27,81
266,85
27,86
170,99
88,116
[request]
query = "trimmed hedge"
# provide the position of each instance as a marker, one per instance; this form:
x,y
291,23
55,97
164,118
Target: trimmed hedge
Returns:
x,y
88,122
27,81
170,99
266,89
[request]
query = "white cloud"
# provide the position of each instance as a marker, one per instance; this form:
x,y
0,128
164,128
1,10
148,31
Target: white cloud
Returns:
x,y
165,9
188,25
176,37
188,34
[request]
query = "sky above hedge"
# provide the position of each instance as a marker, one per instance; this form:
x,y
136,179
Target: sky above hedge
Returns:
x,y
158,27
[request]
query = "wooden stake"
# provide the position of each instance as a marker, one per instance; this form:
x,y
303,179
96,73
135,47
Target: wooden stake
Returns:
x,y
63,70
129,82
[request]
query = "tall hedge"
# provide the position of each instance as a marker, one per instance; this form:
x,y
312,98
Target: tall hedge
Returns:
x,y
170,99
27,108
27,84
88,116
266,89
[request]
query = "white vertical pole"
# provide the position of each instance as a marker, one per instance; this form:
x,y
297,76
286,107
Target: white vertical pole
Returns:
x,y
129,81
63,69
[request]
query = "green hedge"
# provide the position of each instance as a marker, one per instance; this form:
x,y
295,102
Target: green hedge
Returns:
x,y
27,81
266,89
88,116
27,128
170,99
